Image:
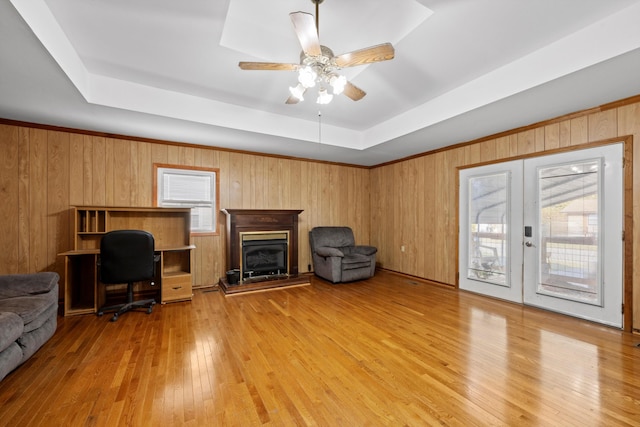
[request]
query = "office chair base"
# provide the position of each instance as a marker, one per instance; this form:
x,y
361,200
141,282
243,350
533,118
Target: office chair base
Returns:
x,y
123,308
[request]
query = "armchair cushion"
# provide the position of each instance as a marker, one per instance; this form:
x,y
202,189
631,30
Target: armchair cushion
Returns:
x,y
351,261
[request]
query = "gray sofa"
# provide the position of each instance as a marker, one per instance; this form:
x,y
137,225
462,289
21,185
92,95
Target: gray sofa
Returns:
x,y
28,316
337,258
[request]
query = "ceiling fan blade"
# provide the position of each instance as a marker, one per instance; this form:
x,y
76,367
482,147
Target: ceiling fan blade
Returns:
x,y
292,100
305,27
354,92
273,66
381,52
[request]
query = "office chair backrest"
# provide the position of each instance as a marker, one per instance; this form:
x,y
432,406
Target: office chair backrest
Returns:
x,y
126,256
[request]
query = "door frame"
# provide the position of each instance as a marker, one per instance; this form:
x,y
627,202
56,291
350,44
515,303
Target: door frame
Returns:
x,y
627,261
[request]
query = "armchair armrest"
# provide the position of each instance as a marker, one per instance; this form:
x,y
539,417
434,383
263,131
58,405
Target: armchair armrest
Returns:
x,y
365,250
326,251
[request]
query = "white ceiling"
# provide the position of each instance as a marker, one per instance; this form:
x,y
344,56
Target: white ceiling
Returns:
x,y
164,69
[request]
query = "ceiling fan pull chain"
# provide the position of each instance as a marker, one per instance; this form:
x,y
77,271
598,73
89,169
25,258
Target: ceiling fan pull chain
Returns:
x,y
320,127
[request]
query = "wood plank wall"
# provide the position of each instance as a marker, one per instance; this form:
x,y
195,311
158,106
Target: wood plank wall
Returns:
x,y
413,204
416,199
43,173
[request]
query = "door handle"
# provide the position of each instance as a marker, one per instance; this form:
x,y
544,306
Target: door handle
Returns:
x,y
528,244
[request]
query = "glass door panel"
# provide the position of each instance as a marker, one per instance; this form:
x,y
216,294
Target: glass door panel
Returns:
x,y
490,240
573,257
569,226
488,226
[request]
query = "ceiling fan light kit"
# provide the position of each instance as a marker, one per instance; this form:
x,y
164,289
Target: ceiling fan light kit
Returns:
x,y
298,91
307,76
318,65
324,97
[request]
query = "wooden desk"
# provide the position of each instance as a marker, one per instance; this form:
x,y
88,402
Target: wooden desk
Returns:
x,y
170,227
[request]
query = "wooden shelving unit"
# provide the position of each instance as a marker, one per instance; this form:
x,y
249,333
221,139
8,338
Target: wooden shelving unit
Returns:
x,y
171,230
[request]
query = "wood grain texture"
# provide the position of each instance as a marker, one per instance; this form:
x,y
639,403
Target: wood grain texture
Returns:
x,y
411,203
551,137
37,194
565,133
386,351
58,236
602,125
579,130
488,151
503,149
629,124
45,173
9,193
395,226
24,214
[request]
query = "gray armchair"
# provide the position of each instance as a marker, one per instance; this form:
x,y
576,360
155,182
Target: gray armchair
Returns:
x,y
337,258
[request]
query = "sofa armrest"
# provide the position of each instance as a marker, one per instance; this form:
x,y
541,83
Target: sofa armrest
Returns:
x,y
364,250
326,251
17,285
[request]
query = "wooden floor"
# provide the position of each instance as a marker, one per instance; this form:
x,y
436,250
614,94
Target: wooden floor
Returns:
x,y
388,351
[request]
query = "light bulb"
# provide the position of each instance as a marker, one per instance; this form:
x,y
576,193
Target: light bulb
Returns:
x,y
338,83
324,97
307,77
298,91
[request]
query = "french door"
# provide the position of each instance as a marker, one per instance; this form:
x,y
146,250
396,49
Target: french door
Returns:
x,y
547,232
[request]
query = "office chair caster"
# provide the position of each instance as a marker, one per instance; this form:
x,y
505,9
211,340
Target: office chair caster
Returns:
x,y
115,317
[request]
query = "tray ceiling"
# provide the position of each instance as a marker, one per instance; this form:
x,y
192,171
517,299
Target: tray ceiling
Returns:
x,y
164,69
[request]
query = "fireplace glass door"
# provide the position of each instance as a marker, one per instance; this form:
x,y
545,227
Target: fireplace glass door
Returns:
x,y
264,254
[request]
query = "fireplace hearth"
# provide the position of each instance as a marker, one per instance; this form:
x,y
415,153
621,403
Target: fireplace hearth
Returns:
x,y
262,245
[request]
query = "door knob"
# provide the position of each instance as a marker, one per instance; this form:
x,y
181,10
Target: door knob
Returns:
x,y
528,244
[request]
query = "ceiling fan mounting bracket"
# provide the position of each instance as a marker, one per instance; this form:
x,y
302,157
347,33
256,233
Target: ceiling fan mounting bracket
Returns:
x,y
326,55
322,64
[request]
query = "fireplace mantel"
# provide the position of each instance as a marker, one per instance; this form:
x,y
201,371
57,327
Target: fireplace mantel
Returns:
x,y
255,220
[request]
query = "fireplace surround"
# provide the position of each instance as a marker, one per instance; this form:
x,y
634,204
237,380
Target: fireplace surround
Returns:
x,y
262,245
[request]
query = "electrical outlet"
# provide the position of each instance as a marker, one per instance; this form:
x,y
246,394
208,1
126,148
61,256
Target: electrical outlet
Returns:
x,y
402,248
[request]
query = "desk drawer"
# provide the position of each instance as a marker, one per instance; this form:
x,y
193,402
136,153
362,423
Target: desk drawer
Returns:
x,y
176,288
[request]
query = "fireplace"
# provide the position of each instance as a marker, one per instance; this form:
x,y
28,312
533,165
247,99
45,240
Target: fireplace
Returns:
x,y
264,254
262,246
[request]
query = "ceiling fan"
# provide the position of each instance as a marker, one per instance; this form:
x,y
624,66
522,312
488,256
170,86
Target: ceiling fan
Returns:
x,y
319,65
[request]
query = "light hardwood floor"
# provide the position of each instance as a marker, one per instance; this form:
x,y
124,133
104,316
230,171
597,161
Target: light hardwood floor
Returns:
x,y
387,351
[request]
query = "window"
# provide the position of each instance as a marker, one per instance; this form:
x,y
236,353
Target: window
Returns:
x,y
190,187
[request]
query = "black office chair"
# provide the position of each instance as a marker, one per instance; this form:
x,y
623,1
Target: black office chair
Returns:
x,y
127,256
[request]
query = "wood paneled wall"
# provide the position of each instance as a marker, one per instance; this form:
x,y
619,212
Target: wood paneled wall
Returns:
x,y
413,202
416,199
45,172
